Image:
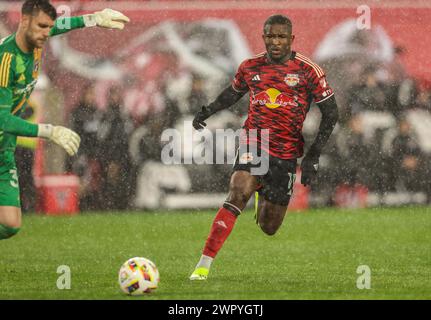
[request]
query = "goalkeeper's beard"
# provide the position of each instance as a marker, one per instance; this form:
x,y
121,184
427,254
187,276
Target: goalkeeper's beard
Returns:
x,y
33,43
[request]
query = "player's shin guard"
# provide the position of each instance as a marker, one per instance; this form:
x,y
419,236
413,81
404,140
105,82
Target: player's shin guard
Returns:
x,y
7,232
221,228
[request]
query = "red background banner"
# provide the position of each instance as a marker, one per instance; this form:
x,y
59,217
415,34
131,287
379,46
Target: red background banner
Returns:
x,y
406,23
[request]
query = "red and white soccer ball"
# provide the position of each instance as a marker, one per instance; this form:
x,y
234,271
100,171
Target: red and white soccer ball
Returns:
x,y
138,276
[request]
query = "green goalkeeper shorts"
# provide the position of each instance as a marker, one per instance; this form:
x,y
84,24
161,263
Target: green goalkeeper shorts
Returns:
x,y
9,187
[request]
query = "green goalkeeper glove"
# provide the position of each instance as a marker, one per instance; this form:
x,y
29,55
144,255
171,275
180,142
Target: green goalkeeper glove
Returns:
x,y
107,18
64,137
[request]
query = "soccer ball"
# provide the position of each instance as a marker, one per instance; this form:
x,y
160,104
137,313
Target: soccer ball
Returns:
x,y
138,276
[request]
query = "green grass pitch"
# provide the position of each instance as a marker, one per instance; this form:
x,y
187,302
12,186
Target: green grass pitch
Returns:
x,y
315,255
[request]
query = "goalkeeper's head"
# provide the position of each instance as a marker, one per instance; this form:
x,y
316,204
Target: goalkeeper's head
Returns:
x,y
37,20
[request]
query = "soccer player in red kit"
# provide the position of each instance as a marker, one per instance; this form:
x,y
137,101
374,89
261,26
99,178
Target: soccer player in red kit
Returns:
x,y
282,84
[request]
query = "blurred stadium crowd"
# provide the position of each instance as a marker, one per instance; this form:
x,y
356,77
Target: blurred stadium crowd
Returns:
x,y
376,148
379,144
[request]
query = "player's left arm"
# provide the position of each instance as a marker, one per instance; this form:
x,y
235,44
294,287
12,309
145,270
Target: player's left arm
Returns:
x,y
106,18
325,100
329,111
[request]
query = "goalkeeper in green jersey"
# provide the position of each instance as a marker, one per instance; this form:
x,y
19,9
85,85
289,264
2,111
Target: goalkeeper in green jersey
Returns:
x,y
20,63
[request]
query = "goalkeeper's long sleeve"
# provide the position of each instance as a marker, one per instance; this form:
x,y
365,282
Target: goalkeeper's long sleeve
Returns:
x,y
106,18
10,123
17,126
66,24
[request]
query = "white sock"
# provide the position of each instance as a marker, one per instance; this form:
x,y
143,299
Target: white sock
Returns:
x,y
205,262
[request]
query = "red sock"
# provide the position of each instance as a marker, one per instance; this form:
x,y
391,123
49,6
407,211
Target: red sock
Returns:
x,y
222,226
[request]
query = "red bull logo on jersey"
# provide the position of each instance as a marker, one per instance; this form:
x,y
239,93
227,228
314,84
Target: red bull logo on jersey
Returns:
x,y
272,99
291,79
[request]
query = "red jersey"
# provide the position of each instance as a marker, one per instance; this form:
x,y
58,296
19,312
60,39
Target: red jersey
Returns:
x,y
280,97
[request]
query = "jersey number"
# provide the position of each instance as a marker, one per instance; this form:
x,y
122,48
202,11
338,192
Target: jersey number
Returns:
x,y
14,181
292,178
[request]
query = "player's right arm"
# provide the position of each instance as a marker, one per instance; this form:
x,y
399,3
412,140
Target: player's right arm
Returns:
x,y
11,124
227,98
14,125
8,122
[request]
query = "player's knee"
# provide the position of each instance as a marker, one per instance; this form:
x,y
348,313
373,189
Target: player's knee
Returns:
x,y
15,223
13,232
268,228
269,223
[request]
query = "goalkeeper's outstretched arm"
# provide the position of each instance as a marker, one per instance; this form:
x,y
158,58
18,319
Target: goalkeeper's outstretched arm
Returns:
x,y
106,18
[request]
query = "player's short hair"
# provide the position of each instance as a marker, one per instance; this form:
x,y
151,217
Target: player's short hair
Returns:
x,y
33,7
278,19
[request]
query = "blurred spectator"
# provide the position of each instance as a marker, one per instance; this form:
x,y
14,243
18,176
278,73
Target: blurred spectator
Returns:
x,y
369,94
330,165
400,88
113,152
362,162
145,142
85,120
197,97
423,98
395,69
355,153
410,164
